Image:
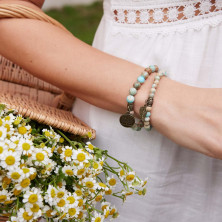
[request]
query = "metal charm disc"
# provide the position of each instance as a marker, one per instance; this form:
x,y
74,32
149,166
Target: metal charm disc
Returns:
x,y
127,120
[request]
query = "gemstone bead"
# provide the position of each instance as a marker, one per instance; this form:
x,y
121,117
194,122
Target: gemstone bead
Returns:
x,y
136,85
133,91
152,90
148,114
157,78
141,79
130,99
151,95
148,108
156,82
145,74
153,68
154,85
147,119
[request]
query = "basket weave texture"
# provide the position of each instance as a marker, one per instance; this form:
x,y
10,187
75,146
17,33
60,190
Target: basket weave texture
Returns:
x,y
32,97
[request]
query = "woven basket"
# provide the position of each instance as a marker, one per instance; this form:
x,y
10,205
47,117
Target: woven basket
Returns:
x,y
31,96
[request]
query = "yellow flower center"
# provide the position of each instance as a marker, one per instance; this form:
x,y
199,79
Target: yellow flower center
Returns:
x,y
130,193
98,219
90,146
10,160
68,153
140,192
95,166
33,198
25,170
130,177
7,126
112,182
22,130
122,173
7,118
2,198
61,203
107,213
112,211
42,145
80,202
47,133
16,122
104,207
40,156
102,185
17,192
72,211
78,192
60,194
87,165
25,183
35,208
80,172
61,140
89,184
49,213
0,122
26,146
81,157
1,133
80,215
15,175
33,176
71,200
98,198
69,172
108,192
26,216
53,193
1,149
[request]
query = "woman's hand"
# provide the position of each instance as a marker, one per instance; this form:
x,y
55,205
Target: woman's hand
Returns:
x,y
190,116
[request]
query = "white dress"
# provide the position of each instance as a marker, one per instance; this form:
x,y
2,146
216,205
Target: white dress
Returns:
x,y
183,185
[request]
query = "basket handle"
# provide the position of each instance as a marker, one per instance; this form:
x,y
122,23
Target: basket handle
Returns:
x,y
20,11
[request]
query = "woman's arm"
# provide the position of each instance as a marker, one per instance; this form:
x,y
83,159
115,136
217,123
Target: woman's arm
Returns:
x,y
187,115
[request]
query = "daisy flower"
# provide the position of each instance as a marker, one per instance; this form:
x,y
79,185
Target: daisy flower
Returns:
x,y
68,170
32,196
89,147
130,176
51,195
98,217
111,181
72,199
80,156
89,182
9,160
16,174
24,216
26,146
67,153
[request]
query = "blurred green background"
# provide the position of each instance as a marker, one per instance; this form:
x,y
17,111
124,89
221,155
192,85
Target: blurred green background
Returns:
x,y
82,21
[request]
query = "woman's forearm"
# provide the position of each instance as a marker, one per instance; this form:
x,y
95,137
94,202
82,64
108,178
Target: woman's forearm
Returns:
x,y
187,115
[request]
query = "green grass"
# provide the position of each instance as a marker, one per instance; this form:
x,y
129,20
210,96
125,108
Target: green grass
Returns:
x,y
82,21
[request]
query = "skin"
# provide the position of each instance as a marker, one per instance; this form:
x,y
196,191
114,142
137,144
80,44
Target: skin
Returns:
x,y
55,56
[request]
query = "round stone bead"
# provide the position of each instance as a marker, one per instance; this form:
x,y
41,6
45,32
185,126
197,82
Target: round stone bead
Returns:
x,y
133,91
130,99
132,113
141,79
153,68
148,108
156,82
154,85
157,78
151,95
145,74
152,90
161,73
146,124
147,119
136,85
148,114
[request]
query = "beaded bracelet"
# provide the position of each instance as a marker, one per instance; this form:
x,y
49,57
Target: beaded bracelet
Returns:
x,y
128,119
145,111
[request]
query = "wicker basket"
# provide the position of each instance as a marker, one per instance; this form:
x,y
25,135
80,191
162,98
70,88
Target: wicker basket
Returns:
x,y
31,96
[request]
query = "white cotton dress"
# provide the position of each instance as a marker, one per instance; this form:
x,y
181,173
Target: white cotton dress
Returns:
x,y
184,186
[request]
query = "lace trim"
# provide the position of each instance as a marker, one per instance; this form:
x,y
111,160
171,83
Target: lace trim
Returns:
x,y
173,13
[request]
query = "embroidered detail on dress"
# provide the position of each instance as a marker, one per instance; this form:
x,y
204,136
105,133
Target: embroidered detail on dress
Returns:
x,y
149,17
163,14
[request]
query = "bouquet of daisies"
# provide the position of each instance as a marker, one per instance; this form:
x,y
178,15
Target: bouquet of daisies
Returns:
x,y
45,173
